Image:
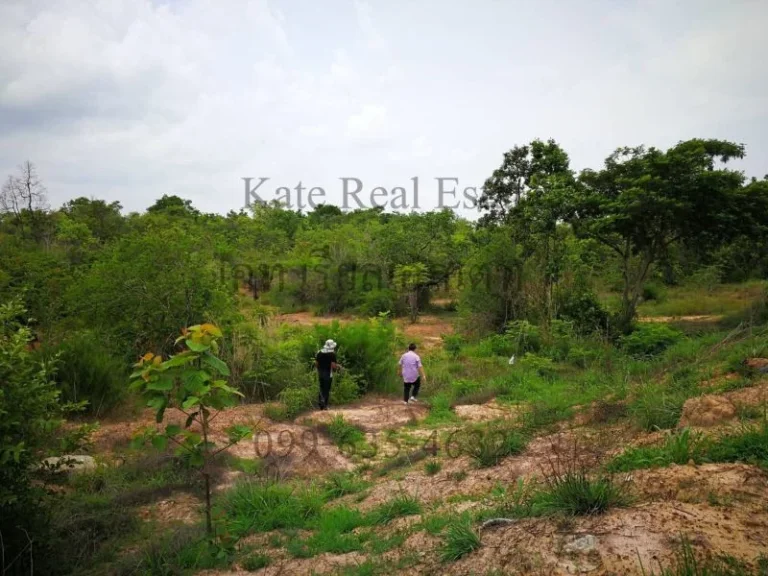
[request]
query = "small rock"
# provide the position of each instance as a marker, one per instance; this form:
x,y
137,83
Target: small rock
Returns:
x,y
69,463
497,522
582,545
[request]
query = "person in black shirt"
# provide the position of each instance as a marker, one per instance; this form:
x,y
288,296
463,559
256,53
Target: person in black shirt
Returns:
x,y
325,362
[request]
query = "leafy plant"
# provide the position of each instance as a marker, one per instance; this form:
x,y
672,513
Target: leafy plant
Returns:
x,y
649,339
191,383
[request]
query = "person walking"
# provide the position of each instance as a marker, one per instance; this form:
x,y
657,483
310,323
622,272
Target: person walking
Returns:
x,y
412,371
325,362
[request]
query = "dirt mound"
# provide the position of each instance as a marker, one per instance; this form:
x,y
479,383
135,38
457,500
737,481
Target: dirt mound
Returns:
x,y
706,411
376,414
484,412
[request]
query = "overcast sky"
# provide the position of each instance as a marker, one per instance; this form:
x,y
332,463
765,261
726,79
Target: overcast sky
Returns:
x,y
131,99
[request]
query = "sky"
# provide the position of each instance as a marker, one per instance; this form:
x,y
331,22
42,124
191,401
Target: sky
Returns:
x,y
127,100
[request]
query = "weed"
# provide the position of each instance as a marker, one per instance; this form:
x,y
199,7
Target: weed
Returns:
x,y
458,476
432,467
338,484
575,493
403,505
678,448
254,562
460,539
686,563
489,445
655,408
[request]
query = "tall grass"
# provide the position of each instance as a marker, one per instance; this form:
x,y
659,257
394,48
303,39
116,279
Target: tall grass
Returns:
x,y
459,540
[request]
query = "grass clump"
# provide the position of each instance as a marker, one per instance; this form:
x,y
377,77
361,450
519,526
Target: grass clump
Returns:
x,y
575,493
678,448
432,467
263,506
255,562
490,445
656,408
342,433
459,540
338,484
403,505
686,563
750,445
440,411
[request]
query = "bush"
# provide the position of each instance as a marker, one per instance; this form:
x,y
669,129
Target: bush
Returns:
x,y
543,366
460,539
653,291
86,371
583,308
297,400
649,339
30,414
376,302
524,336
452,344
345,388
365,349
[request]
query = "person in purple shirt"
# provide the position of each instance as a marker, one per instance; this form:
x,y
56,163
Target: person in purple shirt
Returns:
x,y
412,371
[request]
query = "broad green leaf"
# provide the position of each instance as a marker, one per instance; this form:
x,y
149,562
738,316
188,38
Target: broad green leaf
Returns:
x,y
160,442
216,363
172,429
190,402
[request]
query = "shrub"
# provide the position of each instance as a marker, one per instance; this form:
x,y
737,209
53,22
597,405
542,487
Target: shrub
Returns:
x,y
649,339
365,349
543,366
653,291
583,308
297,400
345,388
452,344
524,336
377,301
460,539
86,371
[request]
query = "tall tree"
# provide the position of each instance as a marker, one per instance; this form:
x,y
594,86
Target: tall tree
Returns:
x,y
644,200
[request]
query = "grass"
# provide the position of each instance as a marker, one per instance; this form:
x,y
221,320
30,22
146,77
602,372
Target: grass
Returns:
x,y
432,467
342,433
654,407
489,445
686,563
264,506
254,562
338,484
407,459
576,493
403,505
678,448
749,445
459,540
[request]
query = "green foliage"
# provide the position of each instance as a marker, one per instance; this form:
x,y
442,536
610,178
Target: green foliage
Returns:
x,y
542,365
678,448
255,562
296,401
489,445
338,484
654,291
656,408
452,344
575,493
582,307
343,433
650,339
345,389
432,467
365,350
29,415
264,506
192,383
86,371
459,540
402,505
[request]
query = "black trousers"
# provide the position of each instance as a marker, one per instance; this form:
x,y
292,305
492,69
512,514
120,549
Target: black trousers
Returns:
x,y
407,389
325,389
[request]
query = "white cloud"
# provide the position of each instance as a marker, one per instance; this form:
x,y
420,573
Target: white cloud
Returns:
x,y
129,99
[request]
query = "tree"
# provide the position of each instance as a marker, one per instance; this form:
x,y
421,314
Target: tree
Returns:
x,y
409,280
23,193
525,195
173,206
192,383
103,220
644,200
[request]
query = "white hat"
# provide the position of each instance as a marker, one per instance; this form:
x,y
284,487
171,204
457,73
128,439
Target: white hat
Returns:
x,y
329,346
